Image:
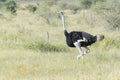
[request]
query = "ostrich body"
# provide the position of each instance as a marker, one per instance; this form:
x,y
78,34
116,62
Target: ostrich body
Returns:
x,y
79,39
84,38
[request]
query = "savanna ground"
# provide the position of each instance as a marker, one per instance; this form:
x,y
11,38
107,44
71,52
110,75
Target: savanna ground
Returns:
x,y
27,53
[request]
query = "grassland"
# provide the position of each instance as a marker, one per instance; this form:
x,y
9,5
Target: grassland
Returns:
x,y
29,65
23,41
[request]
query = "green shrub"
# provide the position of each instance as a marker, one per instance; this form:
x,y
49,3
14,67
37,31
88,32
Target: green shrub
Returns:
x,y
31,8
2,0
62,5
10,41
86,4
47,14
110,11
44,46
68,6
11,6
50,2
108,43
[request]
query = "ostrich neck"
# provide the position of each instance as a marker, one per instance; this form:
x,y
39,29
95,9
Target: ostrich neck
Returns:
x,y
63,22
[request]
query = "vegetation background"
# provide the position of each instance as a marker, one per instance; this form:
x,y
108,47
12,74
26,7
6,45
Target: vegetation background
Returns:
x,y
33,47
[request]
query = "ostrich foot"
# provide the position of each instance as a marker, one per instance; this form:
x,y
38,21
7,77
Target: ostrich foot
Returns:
x,y
79,56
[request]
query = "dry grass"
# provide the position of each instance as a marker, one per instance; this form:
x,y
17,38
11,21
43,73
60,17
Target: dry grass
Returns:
x,y
29,65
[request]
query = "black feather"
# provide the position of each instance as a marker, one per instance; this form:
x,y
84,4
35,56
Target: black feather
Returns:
x,y
73,36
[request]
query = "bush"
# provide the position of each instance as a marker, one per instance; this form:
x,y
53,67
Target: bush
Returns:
x,y
86,4
47,14
110,12
44,46
50,2
72,7
113,16
11,6
109,43
2,0
62,5
31,8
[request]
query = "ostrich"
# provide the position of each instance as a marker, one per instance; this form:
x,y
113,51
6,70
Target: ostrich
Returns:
x,y
79,39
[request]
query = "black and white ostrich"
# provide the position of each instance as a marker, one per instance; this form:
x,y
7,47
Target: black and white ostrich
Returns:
x,y
79,39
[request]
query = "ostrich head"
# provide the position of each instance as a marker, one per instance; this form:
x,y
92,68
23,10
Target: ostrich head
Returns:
x,y
61,13
100,37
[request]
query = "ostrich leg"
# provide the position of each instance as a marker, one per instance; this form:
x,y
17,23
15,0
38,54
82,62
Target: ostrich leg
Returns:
x,y
77,45
87,50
